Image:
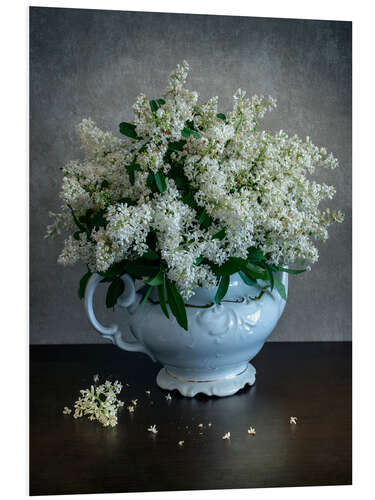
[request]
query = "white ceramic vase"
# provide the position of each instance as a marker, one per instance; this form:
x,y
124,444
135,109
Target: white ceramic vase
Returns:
x,y
213,356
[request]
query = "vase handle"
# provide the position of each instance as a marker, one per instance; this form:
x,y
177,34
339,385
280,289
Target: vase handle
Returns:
x,y
128,299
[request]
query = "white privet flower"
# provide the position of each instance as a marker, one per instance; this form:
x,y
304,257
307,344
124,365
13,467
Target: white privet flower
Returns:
x,y
100,402
153,429
226,435
255,185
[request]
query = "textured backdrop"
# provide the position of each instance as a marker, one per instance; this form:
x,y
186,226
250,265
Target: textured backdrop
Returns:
x,y
87,63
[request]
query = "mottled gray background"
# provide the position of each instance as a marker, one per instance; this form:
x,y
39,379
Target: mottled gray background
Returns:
x,y
87,63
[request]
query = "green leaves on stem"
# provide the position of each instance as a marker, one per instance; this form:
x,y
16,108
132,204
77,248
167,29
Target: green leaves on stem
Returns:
x,y
160,181
115,289
187,132
128,129
176,304
83,283
222,288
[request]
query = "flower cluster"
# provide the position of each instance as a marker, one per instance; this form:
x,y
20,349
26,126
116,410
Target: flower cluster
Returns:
x,y
100,403
189,189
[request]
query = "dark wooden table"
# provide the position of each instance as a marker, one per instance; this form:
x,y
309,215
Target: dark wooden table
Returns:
x,y
309,380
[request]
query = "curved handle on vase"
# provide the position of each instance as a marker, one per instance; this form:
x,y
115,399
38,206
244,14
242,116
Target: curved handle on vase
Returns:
x,y
112,332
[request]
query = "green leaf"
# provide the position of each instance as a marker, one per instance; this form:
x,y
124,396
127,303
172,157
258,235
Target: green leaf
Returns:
x,y
280,288
156,280
139,270
222,289
255,272
198,261
154,106
187,132
151,182
76,235
219,235
160,102
128,129
128,201
231,266
83,283
177,145
150,255
270,275
104,184
246,279
221,116
115,289
176,304
131,171
145,298
143,148
163,299
204,220
290,271
160,181
78,224
255,255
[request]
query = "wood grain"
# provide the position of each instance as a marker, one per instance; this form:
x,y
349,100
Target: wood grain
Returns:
x,y
309,380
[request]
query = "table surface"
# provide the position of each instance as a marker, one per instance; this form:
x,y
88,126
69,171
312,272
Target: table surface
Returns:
x,y
310,380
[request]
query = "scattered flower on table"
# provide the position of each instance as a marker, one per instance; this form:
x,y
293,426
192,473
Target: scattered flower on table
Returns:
x,y
181,443
131,409
293,420
209,424
153,429
251,431
134,402
67,411
96,378
148,393
200,425
100,403
168,397
226,436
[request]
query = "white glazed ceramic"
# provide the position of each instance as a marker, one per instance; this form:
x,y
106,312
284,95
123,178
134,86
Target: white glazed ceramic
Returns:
x,y
213,356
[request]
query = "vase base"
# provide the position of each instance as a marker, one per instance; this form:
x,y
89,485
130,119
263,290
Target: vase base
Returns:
x,y
226,386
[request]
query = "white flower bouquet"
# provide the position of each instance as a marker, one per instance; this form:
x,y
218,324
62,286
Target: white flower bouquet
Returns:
x,y
190,196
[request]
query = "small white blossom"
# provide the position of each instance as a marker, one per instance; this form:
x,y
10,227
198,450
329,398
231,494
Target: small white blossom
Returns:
x,y
226,436
255,185
100,403
148,393
131,409
153,429
293,420
67,411
181,443
251,431
168,397
96,378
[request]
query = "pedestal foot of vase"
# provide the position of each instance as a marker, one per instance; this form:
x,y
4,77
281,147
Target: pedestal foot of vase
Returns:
x,y
221,386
